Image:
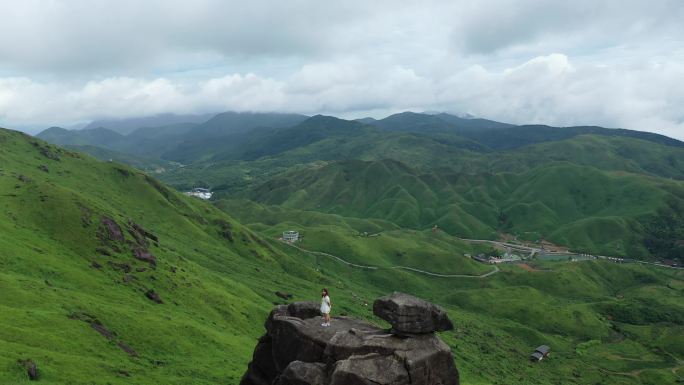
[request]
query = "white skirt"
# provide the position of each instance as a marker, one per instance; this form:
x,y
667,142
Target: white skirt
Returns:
x,y
325,308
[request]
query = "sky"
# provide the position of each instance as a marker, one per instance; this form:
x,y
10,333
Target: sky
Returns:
x,y
609,63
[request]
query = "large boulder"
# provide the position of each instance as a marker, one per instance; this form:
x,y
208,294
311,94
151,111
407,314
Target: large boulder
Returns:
x,y
303,373
304,310
297,350
411,315
370,369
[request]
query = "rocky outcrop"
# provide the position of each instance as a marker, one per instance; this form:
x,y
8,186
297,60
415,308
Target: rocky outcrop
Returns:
x,y
140,234
112,230
153,296
283,295
31,369
144,255
411,315
297,350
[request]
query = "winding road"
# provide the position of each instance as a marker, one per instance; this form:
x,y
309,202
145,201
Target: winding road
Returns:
x,y
367,267
496,269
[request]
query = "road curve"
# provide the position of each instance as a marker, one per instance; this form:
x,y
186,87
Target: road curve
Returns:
x,y
367,267
496,270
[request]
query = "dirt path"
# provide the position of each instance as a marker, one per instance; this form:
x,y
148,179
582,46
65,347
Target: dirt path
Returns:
x,y
527,267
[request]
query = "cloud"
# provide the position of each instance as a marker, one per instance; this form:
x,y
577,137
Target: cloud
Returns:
x,y
96,36
613,63
546,89
552,90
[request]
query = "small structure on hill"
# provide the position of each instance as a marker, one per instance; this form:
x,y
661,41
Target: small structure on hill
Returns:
x,y
290,236
540,353
202,193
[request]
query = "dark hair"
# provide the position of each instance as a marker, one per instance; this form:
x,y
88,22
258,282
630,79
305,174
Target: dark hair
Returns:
x,y
324,291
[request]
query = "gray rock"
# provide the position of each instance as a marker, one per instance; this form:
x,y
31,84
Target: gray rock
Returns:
x,y
303,373
304,310
370,369
112,230
412,315
262,369
297,350
31,369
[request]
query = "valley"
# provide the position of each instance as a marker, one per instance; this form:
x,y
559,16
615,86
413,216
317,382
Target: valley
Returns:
x,y
102,262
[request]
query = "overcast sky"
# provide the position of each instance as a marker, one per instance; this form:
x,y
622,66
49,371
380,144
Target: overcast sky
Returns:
x,y
611,63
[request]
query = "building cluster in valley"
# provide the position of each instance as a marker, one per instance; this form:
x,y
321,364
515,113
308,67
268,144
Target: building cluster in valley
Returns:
x,y
202,193
495,260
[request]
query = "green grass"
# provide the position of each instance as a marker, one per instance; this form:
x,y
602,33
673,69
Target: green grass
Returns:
x,y
217,292
365,242
501,318
50,221
581,207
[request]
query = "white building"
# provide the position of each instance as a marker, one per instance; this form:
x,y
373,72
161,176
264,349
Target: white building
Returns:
x,y
202,193
290,236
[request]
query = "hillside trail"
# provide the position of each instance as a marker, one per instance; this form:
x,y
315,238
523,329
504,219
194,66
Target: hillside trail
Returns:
x,y
427,273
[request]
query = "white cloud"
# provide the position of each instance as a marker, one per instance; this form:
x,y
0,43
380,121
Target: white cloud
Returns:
x,y
551,90
618,62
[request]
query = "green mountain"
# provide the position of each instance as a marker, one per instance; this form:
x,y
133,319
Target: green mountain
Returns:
x,y
580,206
162,132
227,123
107,273
179,140
438,123
110,277
99,136
128,125
604,152
502,136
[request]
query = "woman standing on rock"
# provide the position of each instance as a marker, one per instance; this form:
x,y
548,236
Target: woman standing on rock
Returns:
x,y
326,305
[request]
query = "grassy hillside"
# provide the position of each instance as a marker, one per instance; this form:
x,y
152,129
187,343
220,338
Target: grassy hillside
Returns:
x,y
369,242
606,323
607,153
75,296
148,164
81,288
99,136
578,206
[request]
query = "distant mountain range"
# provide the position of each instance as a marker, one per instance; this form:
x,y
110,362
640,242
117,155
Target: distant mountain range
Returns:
x,y
589,188
176,134
128,125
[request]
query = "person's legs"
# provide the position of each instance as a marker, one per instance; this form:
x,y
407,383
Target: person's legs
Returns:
x,y
327,319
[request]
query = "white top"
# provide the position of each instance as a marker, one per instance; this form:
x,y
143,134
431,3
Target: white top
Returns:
x,y
325,305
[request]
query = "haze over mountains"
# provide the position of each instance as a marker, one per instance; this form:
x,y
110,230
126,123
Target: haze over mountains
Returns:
x,y
229,125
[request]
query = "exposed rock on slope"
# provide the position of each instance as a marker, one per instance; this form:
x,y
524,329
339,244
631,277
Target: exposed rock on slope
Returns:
x,y
297,350
409,314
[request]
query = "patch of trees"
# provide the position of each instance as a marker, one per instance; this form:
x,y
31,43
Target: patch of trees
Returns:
x,y
639,312
665,233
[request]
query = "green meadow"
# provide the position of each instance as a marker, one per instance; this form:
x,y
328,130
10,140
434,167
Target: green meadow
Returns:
x,y
75,299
